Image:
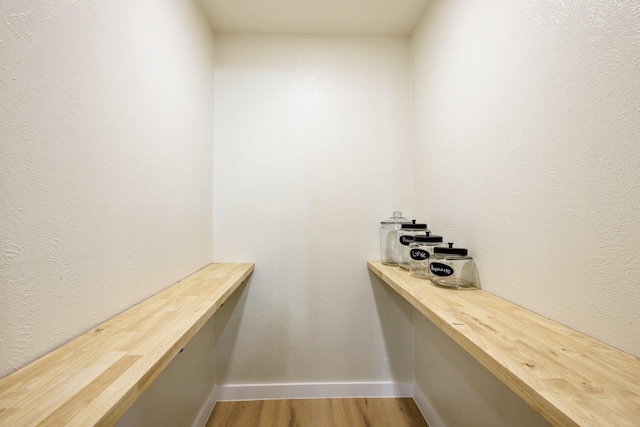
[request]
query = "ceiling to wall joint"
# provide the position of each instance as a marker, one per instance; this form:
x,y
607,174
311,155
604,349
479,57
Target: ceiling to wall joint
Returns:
x,y
312,17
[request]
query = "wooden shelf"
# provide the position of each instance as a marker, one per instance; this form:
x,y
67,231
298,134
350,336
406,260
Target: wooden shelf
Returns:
x,y
571,379
93,379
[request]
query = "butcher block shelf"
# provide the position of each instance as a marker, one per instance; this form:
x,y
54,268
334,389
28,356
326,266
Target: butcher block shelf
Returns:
x,y
93,379
569,378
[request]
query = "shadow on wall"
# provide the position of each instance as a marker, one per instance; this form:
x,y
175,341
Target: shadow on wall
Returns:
x,y
459,389
180,395
181,391
227,323
395,316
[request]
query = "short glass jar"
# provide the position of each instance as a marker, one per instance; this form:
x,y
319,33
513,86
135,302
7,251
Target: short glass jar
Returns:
x,y
405,237
453,268
389,238
420,250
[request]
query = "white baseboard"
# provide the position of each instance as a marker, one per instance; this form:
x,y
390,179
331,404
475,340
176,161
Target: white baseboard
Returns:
x,y
205,411
429,414
312,390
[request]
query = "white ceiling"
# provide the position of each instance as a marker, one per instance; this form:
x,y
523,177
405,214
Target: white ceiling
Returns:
x,y
315,17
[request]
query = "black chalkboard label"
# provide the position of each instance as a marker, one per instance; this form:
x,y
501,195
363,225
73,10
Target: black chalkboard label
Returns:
x,y
419,254
439,269
405,240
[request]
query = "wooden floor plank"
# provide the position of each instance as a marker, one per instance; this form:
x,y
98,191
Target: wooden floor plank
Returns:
x,y
352,412
349,411
275,412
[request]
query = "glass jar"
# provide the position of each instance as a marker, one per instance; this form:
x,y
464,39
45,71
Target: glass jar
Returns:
x,y
405,237
453,268
420,250
389,236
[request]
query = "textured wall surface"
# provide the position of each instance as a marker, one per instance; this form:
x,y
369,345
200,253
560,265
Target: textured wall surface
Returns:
x,y
105,168
526,127
311,153
527,152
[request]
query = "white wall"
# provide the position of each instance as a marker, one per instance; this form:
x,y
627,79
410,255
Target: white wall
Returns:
x,y
526,142
106,139
311,153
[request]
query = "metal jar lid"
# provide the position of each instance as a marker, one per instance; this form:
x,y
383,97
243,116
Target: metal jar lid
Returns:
x,y
428,239
450,250
414,226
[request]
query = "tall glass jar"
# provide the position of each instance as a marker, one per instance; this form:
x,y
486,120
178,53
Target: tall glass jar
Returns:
x,y
389,236
420,250
405,237
453,268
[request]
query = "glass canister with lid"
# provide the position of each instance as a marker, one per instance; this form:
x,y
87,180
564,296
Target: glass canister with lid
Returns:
x,y
389,237
405,237
420,250
453,268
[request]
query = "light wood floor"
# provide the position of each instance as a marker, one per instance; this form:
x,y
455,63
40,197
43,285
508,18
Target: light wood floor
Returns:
x,y
366,412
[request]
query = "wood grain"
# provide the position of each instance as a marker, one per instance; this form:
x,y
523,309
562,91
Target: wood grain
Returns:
x,y
352,412
571,379
93,379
